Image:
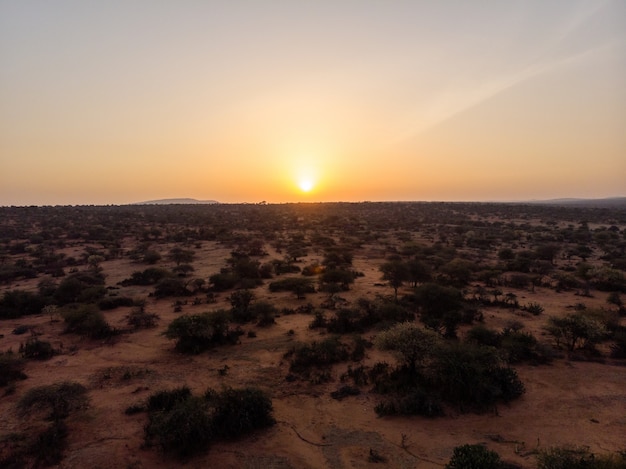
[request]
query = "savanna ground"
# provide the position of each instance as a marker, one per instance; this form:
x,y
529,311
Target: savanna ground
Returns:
x,y
502,258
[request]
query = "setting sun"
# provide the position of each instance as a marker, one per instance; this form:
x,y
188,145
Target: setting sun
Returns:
x,y
306,185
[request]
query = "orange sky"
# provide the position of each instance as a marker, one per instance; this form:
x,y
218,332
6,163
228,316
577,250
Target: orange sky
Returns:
x,y
239,101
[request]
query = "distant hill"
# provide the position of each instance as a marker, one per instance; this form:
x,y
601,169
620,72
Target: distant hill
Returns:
x,y
608,202
176,201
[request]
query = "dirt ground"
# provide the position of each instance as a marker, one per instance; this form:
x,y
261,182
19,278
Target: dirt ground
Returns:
x,y
566,402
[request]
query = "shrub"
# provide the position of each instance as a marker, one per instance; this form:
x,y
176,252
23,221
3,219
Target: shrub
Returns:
x,y
171,286
297,285
18,303
36,349
184,425
11,368
474,457
184,430
115,302
472,377
316,354
416,402
578,458
236,412
534,308
198,332
87,321
140,319
166,400
60,398
47,448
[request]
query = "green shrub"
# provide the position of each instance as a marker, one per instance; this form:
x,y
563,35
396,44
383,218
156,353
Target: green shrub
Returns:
x,y
578,458
11,368
416,402
37,349
474,457
166,400
60,399
115,302
198,332
236,412
184,430
18,303
140,319
86,320
47,448
183,424
317,354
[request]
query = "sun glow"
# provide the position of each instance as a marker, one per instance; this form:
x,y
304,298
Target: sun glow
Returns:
x,y
306,185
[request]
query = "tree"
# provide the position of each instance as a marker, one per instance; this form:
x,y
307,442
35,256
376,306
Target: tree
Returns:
x,y
396,273
418,272
180,255
575,330
440,307
412,344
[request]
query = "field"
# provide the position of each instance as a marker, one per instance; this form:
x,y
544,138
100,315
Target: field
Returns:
x,y
88,295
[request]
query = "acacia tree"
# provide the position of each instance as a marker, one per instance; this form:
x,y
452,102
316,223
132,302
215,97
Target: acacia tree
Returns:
x,y
396,273
412,344
576,330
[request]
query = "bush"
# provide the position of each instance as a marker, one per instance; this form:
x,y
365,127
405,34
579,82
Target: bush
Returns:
x,y
317,354
140,319
115,302
184,425
297,285
474,457
184,430
198,332
85,320
60,398
416,402
472,377
48,446
578,458
166,400
11,368
37,349
236,412
18,303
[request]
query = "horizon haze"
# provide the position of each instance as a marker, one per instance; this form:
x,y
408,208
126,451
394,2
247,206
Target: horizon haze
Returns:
x,y
281,101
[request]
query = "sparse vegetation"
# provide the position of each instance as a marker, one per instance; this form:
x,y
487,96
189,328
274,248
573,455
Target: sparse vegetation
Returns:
x,y
467,291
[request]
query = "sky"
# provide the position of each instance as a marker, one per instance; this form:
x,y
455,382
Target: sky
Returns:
x,y
125,101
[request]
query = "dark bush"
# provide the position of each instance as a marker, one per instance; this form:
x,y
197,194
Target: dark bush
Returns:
x,y
184,430
18,303
416,402
36,349
198,332
297,285
184,425
140,319
11,368
171,286
236,412
47,448
115,302
317,354
87,321
60,399
474,457
166,400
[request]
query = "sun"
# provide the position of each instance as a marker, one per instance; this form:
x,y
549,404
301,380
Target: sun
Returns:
x,y
306,185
